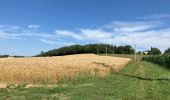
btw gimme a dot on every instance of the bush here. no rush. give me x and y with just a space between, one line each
163 60
154 51
167 51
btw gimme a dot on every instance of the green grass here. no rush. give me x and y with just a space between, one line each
132 56
137 81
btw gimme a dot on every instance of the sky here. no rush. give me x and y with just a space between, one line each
28 27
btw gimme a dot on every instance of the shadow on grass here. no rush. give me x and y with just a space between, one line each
144 78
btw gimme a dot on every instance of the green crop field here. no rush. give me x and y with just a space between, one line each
137 81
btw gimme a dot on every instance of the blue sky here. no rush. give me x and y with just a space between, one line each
30 26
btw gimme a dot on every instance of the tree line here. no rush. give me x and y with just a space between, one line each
90 48
4 56
156 51
15 56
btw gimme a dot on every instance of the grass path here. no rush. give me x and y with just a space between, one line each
122 87
147 89
129 84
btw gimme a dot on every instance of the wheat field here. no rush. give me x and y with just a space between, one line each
50 69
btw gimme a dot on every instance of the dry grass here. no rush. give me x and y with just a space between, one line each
51 69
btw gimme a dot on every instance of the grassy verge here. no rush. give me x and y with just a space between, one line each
162 60
139 57
131 83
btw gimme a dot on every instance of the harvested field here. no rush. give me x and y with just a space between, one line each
51 69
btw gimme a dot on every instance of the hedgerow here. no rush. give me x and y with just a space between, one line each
163 60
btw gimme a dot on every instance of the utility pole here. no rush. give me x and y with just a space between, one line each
135 53
112 48
97 51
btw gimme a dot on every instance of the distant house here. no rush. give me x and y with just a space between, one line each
145 52
10 56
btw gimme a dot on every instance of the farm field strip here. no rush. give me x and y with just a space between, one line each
50 69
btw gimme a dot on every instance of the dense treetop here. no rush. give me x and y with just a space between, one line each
90 48
167 51
154 51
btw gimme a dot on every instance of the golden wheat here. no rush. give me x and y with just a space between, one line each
51 69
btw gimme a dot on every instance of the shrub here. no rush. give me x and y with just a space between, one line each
163 60
167 51
154 51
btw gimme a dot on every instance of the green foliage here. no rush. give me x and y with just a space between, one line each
154 51
139 52
163 60
90 48
4 56
167 51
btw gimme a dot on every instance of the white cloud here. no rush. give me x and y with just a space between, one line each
133 26
93 34
58 43
9 28
84 34
33 26
68 33
155 16
66 43
48 41
15 32
144 34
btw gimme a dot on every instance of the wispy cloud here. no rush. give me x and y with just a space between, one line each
93 34
84 34
133 26
48 41
155 16
33 26
68 33
58 43
144 33
11 32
